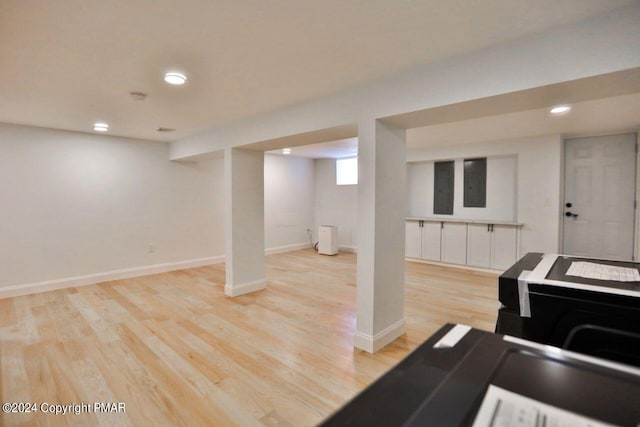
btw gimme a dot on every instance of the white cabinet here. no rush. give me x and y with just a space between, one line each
431 240
491 246
504 246
454 243
422 240
477 244
413 239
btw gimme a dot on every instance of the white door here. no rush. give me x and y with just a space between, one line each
599 196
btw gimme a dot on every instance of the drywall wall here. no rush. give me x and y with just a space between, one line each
82 208
501 190
289 197
76 204
335 204
539 173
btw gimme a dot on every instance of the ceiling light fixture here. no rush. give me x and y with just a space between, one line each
100 127
286 151
560 109
175 78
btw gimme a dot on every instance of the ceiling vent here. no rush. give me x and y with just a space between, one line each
137 96
165 129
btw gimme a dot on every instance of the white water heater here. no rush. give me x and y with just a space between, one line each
328 240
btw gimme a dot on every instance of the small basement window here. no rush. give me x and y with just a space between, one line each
347 171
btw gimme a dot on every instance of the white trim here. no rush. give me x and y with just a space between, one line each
348 248
127 273
286 248
92 279
234 290
374 343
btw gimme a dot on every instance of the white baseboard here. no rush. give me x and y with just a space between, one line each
374 343
347 248
234 290
127 273
459 266
287 248
92 279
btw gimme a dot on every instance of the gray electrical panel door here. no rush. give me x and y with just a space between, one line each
443 187
475 183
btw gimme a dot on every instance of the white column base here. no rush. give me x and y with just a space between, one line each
234 290
374 343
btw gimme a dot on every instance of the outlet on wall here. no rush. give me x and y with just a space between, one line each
152 248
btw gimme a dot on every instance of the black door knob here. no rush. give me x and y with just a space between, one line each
567 214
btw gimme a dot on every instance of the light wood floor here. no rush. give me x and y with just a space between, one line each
178 352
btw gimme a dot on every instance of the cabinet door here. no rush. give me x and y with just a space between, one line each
478 245
503 247
413 239
454 243
431 241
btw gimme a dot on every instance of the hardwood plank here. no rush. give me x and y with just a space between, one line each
178 351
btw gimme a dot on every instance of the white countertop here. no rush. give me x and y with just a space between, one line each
465 221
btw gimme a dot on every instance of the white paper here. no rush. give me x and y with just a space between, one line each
591 270
502 408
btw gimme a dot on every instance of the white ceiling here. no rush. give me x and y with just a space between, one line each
347 147
601 116
67 64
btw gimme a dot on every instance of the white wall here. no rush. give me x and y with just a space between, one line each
501 190
73 205
76 204
335 204
538 182
289 198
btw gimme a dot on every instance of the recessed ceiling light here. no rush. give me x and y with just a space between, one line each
560 109
175 78
100 127
286 151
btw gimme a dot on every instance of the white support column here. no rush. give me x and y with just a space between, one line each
382 174
244 221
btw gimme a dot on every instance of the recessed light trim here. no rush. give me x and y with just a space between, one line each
100 127
286 151
175 78
560 109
